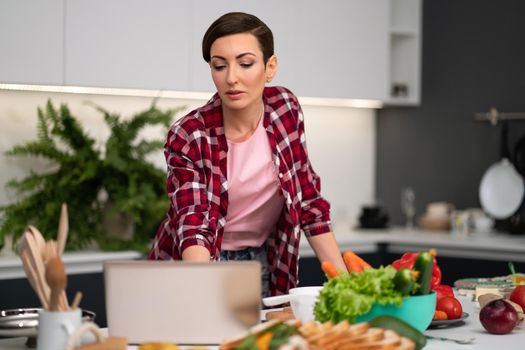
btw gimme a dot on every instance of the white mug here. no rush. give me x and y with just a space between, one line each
55 327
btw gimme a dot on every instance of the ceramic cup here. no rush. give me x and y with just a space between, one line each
55 327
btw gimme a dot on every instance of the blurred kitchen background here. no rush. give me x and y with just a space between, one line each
431 65
472 56
451 58
389 89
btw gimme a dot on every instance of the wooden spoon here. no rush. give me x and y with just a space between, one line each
56 278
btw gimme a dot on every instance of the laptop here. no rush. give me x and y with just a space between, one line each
181 302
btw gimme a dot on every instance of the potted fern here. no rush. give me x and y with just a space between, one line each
98 186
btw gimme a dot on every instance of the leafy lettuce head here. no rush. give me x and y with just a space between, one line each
350 295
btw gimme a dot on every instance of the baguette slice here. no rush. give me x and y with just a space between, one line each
372 334
358 329
390 342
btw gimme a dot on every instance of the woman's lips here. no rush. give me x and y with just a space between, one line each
234 94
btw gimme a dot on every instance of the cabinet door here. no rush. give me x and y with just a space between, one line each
340 48
31 34
334 49
127 43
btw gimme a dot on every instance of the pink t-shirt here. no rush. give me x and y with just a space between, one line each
254 195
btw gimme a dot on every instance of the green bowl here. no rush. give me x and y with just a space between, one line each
416 310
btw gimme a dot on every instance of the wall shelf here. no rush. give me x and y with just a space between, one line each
405 53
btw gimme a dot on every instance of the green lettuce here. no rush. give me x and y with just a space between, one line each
350 295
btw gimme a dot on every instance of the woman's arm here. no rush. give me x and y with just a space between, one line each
196 253
189 223
326 248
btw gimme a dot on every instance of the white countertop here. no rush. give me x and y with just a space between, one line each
470 328
473 328
75 262
496 246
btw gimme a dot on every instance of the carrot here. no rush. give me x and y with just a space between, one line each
353 262
329 269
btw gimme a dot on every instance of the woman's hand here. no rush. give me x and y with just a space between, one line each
326 249
196 253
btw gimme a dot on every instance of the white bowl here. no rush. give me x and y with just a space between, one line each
301 299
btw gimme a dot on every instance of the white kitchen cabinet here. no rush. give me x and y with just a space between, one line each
31 41
354 49
127 43
339 50
405 52
336 49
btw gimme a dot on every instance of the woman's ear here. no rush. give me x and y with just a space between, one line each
271 68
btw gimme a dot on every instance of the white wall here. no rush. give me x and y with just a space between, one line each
341 142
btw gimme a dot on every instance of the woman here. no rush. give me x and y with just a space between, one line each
240 183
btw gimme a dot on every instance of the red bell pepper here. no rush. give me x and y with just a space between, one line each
443 290
407 260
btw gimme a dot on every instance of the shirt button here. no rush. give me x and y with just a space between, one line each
280 175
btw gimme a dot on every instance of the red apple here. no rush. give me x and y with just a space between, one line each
518 296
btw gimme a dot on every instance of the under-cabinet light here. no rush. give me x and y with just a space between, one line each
189 95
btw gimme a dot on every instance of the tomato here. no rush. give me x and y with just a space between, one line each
518 296
451 306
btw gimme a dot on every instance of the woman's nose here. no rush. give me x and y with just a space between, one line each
231 76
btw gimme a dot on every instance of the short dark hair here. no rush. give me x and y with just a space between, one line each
235 23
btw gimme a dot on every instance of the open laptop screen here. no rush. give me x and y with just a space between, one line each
181 302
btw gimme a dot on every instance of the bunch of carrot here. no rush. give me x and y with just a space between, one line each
353 263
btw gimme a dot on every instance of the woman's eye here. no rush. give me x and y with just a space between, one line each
246 65
219 67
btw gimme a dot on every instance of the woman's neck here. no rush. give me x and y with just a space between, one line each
239 125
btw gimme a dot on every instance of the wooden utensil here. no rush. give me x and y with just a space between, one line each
76 300
38 239
63 228
32 278
280 315
35 259
50 250
30 270
56 278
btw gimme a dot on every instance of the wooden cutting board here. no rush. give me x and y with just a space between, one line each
283 315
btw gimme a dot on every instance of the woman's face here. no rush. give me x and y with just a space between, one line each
238 70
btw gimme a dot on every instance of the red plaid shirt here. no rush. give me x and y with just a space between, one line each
197 186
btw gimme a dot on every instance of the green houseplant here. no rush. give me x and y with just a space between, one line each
118 181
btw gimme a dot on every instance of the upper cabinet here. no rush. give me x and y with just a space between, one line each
357 49
31 41
337 49
405 53
127 43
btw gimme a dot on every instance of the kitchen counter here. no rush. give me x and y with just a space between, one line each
399 240
396 240
470 328
75 262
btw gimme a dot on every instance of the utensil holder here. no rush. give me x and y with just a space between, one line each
55 328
